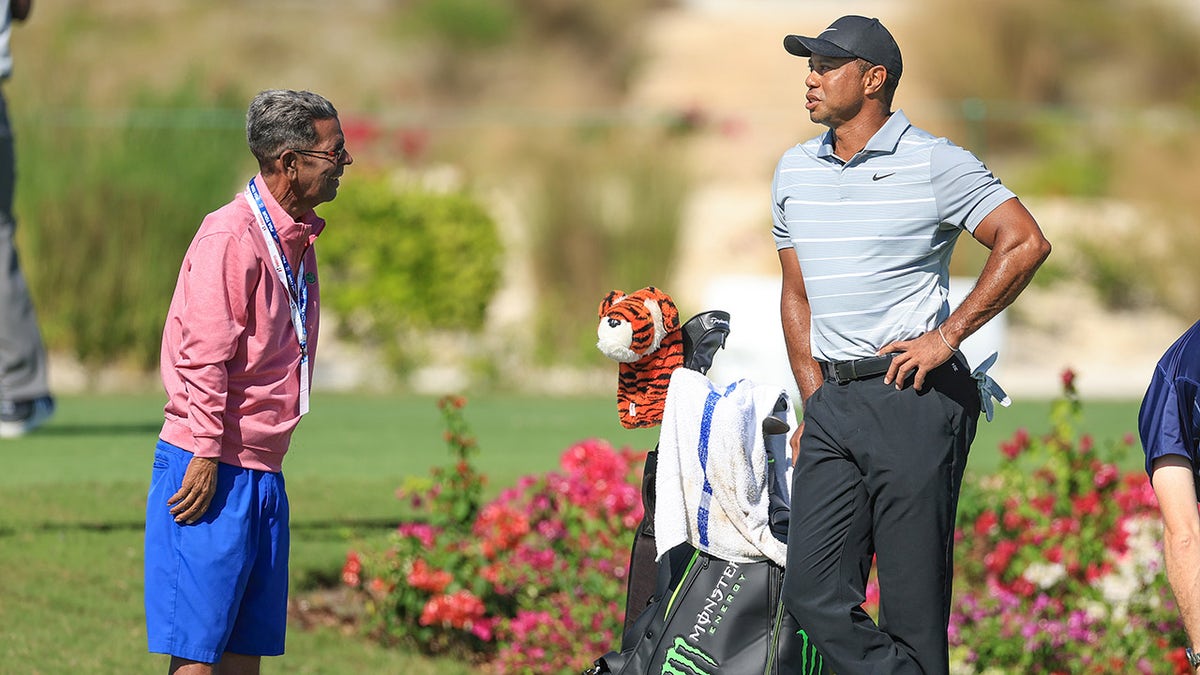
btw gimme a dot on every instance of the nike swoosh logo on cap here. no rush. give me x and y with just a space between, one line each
827 30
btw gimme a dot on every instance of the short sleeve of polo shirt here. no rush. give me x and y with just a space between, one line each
779 230
1167 418
966 191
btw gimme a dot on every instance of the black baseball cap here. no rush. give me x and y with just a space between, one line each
848 37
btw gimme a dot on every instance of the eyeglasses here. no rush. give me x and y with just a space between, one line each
335 156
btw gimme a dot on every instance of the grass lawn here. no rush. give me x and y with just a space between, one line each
72 500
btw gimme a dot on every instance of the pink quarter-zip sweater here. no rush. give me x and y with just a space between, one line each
230 357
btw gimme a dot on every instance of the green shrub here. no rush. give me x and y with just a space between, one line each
1031 97
468 24
106 206
530 582
1059 561
398 259
1058 55
606 214
1117 273
1068 167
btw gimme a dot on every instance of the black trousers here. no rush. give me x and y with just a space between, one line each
878 475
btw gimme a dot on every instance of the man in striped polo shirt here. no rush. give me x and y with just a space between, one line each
865 218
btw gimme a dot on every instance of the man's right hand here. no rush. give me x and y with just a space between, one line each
196 493
795 442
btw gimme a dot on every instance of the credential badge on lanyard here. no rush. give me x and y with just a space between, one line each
297 292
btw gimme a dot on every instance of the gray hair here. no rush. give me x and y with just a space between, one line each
279 119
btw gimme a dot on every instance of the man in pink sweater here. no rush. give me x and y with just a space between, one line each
237 356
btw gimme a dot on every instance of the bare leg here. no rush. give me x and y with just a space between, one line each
188 667
230 664
238 664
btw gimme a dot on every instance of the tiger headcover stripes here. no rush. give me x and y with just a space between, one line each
641 331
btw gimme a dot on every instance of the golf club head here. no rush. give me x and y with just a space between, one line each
703 335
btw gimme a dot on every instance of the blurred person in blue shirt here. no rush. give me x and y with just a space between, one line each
1169 425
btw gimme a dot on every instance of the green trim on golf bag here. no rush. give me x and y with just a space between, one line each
721 618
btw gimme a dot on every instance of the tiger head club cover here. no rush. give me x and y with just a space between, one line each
641 331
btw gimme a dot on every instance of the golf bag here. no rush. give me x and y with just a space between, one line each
703 335
698 614
720 617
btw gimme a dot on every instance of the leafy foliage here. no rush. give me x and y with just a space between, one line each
1059 561
530 582
1039 60
468 24
106 212
399 259
606 214
1037 96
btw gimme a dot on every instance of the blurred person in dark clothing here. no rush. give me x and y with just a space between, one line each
1169 425
25 401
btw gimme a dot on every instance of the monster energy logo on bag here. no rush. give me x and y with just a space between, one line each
718 602
685 659
811 662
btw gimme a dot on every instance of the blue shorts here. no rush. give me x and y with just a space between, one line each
220 584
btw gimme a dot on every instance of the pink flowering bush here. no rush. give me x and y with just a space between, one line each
531 582
1059 561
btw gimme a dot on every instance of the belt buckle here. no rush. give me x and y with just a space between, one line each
839 376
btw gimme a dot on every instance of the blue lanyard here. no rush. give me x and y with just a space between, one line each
297 291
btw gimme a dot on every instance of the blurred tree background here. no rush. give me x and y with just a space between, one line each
503 169
1096 101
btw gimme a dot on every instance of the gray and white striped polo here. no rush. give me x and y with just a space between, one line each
874 235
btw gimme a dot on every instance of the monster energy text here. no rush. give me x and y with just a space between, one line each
718 602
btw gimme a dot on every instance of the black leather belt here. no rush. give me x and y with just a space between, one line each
858 369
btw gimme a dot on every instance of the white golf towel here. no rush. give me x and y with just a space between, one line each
711 486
